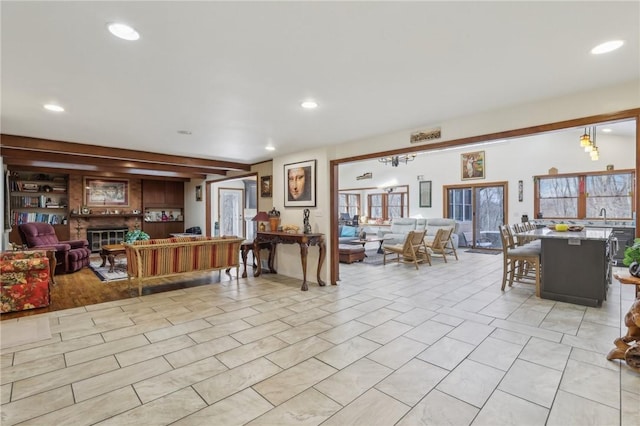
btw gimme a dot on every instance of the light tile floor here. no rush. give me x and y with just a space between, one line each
389 345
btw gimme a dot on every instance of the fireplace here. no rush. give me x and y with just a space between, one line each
99 237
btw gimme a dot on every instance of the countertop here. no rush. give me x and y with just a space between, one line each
588 223
587 233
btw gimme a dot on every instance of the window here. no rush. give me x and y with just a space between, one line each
460 204
612 192
583 196
559 196
388 206
349 203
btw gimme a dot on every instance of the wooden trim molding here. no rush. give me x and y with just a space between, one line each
69 156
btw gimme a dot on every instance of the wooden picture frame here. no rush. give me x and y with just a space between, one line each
99 192
425 193
265 186
472 165
300 184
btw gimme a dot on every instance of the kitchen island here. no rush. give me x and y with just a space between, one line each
576 266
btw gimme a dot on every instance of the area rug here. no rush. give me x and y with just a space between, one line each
483 251
373 258
102 272
24 331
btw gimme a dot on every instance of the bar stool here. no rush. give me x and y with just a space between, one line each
520 263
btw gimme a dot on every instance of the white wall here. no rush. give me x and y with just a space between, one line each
600 101
518 159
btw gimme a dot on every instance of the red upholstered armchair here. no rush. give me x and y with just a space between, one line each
24 279
71 255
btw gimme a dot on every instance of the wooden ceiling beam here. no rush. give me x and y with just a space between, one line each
78 162
96 151
42 168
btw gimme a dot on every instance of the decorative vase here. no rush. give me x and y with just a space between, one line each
274 222
634 269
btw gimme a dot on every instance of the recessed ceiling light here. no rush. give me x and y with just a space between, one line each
606 130
270 148
123 31
53 107
607 47
309 104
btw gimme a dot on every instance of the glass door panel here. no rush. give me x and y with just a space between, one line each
231 211
488 216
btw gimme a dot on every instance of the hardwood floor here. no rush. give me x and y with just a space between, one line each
83 288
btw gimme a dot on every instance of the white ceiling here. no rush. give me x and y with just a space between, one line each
234 73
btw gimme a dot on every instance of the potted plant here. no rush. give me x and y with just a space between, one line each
632 258
135 235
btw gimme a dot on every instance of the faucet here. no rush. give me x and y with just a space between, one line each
603 212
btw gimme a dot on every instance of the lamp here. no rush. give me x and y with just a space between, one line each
594 150
261 217
585 139
397 159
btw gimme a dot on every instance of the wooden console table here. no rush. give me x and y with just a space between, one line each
303 240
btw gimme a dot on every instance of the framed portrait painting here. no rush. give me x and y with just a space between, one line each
265 186
99 192
425 193
472 165
300 184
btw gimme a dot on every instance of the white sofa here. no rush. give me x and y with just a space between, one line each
401 227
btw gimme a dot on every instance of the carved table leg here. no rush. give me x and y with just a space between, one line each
53 262
272 257
323 253
112 262
256 255
244 253
304 250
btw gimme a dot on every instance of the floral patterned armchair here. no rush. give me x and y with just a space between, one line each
24 279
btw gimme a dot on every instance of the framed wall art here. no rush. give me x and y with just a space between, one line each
425 193
472 165
300 184
265 186
99 192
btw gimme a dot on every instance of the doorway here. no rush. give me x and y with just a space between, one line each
480 209
231 211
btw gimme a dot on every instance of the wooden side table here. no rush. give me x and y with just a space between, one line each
303 240
110 251
245 248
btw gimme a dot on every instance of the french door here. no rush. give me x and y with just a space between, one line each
480 209
231 211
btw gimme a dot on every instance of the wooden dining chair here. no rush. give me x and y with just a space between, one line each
413 250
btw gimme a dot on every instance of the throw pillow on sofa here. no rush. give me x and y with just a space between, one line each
349 231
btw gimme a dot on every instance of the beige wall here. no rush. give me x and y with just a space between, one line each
600 101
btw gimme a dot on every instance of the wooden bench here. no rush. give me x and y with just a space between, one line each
176 256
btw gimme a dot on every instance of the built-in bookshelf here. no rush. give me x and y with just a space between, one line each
38 197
